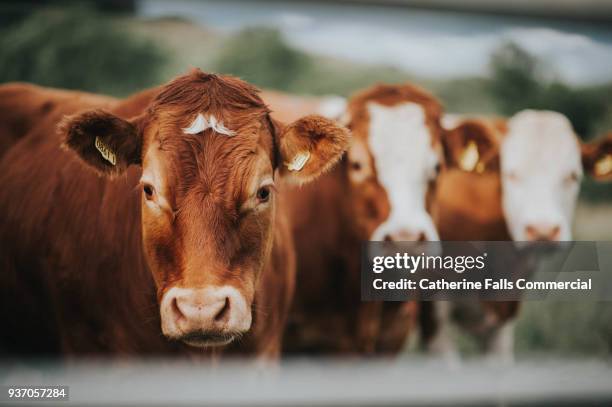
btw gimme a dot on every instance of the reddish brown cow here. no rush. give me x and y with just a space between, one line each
363 199
178 226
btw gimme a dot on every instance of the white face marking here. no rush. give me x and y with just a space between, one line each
541 169
201 123
405 160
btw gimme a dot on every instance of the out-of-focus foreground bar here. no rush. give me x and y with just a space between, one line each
407 381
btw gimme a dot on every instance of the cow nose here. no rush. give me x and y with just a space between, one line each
204 316
405 235
216 310
542 232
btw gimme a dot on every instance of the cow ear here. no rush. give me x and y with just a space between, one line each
309 146
471 146
102 140
597 158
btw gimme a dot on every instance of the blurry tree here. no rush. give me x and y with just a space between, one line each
78 48
261 56
517 83
585 107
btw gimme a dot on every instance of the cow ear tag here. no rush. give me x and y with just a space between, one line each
105 151
299 161
469 158
603 166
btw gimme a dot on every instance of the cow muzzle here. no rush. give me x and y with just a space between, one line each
202 317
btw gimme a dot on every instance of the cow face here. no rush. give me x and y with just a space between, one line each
394 157
541 172
209 153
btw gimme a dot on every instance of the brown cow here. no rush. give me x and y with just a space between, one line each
178 226
378 191
477 200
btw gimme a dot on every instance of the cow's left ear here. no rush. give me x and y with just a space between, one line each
597 158
107 143
309 146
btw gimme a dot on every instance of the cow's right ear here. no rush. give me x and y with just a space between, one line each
597 158
104 141
471 146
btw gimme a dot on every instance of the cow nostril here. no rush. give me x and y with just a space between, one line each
421 237
555 232
176 309
542 233
388 238
224 310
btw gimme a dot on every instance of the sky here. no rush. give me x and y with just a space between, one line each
432 44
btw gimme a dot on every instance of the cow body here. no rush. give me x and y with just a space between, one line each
78 275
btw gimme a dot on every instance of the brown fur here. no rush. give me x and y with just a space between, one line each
467 205
75 278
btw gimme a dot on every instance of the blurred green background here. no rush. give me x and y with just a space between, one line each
107 48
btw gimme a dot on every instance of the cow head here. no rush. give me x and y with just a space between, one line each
209 153
394 157
541 172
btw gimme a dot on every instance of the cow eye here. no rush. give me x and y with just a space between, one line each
149 191
263 194
355 165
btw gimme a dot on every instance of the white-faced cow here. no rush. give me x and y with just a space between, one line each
514 180
379 191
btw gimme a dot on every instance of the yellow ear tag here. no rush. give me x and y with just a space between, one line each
106 152
299 161
469 157
603 166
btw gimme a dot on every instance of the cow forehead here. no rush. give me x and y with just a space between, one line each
209 162
540 142
399 139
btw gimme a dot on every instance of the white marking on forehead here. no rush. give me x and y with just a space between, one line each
538 154
404 157
540 141
201 123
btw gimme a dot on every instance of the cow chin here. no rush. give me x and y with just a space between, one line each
203 339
